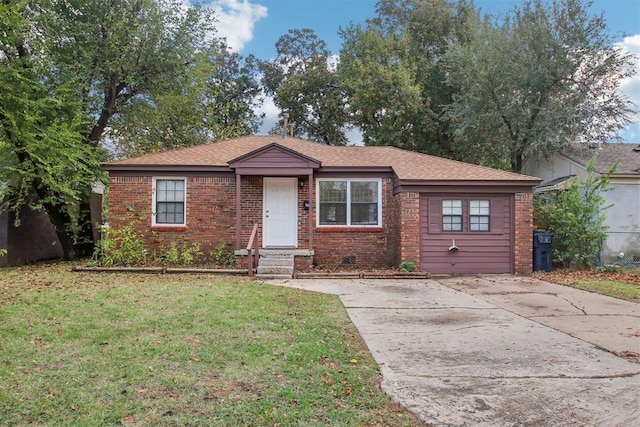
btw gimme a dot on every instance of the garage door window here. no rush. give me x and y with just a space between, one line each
479 215
452 215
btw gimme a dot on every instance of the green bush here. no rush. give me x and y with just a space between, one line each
120 247
223 257
178 253
407 267
575 216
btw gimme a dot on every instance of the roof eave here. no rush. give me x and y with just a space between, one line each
472 182
461 186
110 167
356 169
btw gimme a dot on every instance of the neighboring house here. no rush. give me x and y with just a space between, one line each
372 207
33 240
623 217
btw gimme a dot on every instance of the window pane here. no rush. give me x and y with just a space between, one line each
170 197
364 192
333 213
452 215
364 214
452 207
364 203
333 203
479 215
333 191
451 223
170 213
478 207
479 223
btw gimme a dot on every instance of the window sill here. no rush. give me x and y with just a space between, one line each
344 229
169 228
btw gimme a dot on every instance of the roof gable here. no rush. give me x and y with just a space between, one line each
273 156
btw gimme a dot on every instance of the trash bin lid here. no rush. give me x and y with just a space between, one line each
544 238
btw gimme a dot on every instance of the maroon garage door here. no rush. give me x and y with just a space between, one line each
466 233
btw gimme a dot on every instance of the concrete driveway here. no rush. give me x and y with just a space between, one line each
497 350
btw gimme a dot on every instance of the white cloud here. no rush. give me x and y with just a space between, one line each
236 20
630 87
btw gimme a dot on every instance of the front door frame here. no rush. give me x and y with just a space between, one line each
270 240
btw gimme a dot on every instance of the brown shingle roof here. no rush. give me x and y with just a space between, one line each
407 165
607 156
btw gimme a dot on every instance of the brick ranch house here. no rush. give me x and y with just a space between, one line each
372 207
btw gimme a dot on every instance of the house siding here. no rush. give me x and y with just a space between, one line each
479 252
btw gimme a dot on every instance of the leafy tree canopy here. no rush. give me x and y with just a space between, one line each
393 72
545 76
70 68
303 83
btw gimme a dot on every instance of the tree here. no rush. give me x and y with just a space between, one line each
214 99
546 76
303 84
575 216
393 72
72 66
46 163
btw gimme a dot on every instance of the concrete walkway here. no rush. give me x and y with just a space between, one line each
497 350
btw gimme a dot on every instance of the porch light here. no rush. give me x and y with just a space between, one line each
301 182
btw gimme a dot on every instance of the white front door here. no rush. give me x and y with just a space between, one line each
280 222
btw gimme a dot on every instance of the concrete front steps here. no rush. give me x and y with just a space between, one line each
275 264
279 263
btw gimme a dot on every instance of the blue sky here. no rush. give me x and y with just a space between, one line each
254 26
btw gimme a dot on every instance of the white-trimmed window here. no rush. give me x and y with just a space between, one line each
479 214
349 202
452 215
169 201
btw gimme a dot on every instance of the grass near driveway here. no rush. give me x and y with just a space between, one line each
623 284
148 350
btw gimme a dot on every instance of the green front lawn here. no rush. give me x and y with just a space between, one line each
148 350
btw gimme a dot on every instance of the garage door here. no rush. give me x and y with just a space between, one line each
466 234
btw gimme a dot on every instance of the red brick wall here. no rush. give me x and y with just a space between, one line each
251 207
408 231
210 212
523 246
304 216
373 248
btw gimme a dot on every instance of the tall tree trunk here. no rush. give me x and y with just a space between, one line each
61 222
85 243
73 245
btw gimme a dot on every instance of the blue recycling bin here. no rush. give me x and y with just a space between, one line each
542 242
